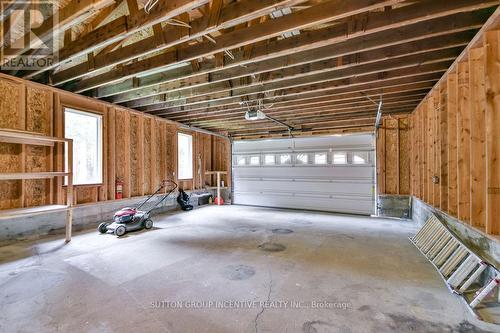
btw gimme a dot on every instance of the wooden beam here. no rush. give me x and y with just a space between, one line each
298 120
133 7
443 153
306 107
322 13
171 36
371 90
451 87
477 105
313 16
426 50
492 80
120 28
373 86
328 109
463 146
311 40
103 15
318 82
340 99
74 12
381 158
416 38
431 145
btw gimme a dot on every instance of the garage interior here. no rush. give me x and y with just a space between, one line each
340 159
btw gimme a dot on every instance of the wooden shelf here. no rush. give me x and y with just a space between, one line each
215 172
31 175
29 138
10 213
21 137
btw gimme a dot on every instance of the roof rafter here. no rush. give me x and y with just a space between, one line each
120 28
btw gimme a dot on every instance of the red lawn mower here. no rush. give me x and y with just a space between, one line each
131 219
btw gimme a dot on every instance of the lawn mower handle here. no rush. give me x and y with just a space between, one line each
163 184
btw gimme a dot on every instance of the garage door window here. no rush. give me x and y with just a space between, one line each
339 158
254 160
320 158
269 159
360 157
301 159
241 160
285 159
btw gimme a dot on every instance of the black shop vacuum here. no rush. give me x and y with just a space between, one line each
183 200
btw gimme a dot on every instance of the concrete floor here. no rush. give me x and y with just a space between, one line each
264 270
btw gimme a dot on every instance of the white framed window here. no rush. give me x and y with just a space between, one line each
320 158
339 158
269 159
241 160
285 159
360 157
185 156
254 160
85 128
301 159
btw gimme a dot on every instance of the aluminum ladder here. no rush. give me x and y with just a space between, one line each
458 266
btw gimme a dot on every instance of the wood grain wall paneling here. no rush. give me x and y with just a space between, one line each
478 138
463 146
492 115
139 148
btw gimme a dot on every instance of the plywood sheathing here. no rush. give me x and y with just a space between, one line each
139 148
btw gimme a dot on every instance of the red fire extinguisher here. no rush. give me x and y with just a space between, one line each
119 188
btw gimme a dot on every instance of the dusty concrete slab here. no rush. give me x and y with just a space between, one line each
216 269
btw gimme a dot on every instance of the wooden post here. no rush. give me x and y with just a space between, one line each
463 147
111 144
492 54
69 193
451 87
443 117
436 201
478 138
218 188
430 149
381 158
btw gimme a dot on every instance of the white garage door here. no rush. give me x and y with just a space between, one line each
329 173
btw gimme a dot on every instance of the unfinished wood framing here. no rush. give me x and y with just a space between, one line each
393 155
455 136
198 66
132 144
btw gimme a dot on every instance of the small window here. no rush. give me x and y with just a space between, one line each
285 159
301 158
254 160
360 157
320 158
241 160
269 159
185 156
339 158
85 129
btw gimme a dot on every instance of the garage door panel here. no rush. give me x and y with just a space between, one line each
354 172
327 187
347 187
342 204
